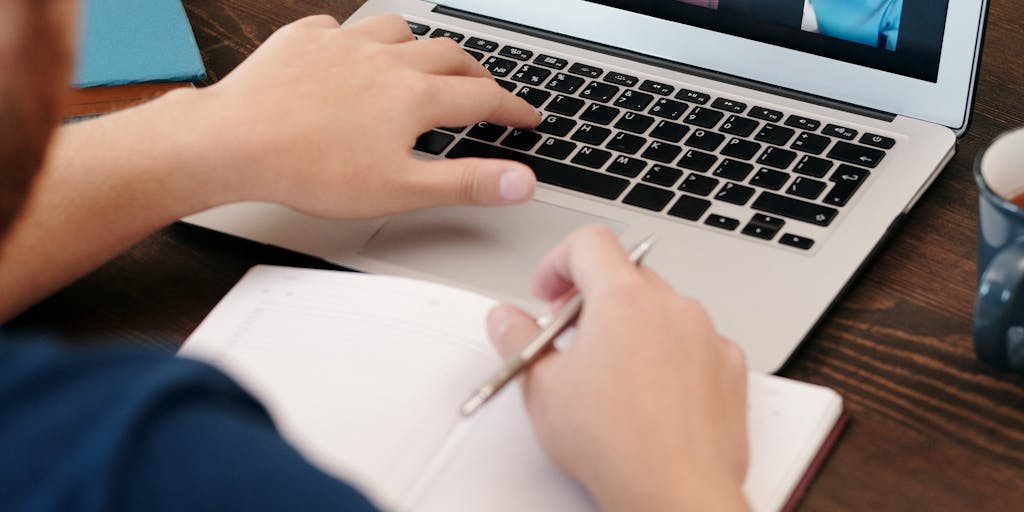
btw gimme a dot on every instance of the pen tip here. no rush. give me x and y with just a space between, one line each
473 404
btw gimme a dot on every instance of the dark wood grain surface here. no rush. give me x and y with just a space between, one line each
932 428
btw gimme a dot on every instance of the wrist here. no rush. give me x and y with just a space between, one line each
695 488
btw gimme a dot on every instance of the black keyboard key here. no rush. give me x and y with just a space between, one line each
803 123
455 36
699 184
811 143
592 157
848 180
523 140
651 198
697 160
565 105
775 135
634 100
704 117
505 84
766 114
499 67
551 62
586 70
741 148
591 134
418 28
857 155
454 129
689 207
433 142
633 122
487 131
564 83
733 170
796 241
626 143
614 77
840 131
739 126
548 171
534 96
703 139
877 141
599 92
795 209
667 130
770 179
807 188
777 157
722 222
730 105
475 54
664 176
531 75
600 114
657 87
669 109
812 166
662 152
483 45
763 226
556 148
556 125
693 96
627 166
516 53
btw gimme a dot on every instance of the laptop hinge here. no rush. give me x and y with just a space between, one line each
668 65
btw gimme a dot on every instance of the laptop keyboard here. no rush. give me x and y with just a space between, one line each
666 149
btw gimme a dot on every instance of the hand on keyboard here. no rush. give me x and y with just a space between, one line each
324 119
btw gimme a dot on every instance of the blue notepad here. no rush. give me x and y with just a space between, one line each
136 41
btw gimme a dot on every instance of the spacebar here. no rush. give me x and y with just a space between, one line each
548 171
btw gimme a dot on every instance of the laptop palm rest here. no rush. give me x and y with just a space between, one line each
490 248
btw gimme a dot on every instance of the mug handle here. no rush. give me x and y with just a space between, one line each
998 341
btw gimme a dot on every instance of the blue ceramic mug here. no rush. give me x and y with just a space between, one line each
999 308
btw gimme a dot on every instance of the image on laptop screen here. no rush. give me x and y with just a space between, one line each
898 36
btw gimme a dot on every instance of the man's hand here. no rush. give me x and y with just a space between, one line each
647 406
323 119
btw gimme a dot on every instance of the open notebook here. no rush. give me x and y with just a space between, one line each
365 374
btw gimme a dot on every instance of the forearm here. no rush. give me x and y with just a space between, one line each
106 184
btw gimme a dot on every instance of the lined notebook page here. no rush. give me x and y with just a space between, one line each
365 374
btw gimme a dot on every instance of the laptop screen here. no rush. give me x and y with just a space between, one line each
898 36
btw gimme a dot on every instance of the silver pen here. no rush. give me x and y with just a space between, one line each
540 343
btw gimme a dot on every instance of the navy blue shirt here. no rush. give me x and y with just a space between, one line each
109 430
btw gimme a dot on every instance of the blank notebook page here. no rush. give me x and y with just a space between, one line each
365 375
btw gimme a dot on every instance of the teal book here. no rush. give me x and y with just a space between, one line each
136 41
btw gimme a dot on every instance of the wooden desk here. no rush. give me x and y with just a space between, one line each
932 428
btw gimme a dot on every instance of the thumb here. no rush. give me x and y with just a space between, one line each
510 329
474 181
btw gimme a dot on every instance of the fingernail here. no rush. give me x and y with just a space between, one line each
516 184
498 321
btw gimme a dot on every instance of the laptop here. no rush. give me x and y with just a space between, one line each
769 146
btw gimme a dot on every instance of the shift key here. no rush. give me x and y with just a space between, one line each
548 171
795 209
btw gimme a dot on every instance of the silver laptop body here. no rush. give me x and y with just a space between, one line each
762 285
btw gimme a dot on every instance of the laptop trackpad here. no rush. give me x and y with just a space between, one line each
491 248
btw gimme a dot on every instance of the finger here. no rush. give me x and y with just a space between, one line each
585 260
462 101
385 28
321 21
509 329
469 181
441 56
